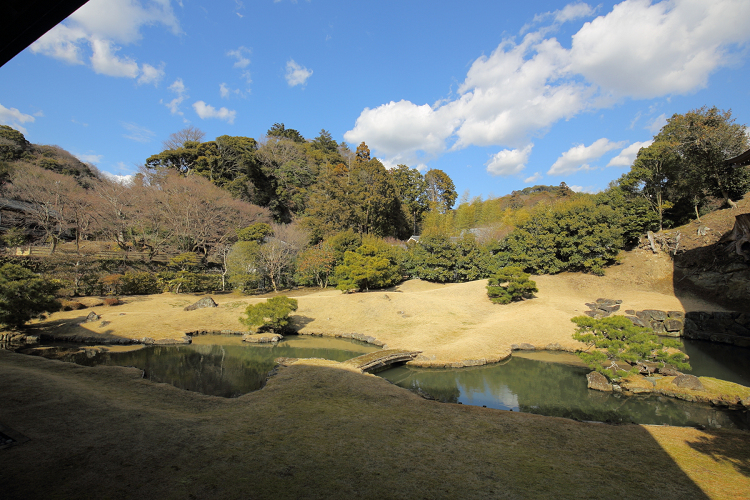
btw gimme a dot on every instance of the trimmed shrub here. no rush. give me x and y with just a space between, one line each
112 301
510 284
616 338
273 314
24 295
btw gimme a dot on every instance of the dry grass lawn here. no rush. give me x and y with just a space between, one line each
448 323
320 430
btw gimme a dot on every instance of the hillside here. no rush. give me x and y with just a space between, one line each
706 264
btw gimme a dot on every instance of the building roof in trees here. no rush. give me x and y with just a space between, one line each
740 160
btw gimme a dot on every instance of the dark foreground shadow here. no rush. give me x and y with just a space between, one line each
312 432
725 447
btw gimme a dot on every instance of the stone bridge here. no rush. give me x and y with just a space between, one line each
378 360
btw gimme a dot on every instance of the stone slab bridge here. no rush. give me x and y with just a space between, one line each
375 361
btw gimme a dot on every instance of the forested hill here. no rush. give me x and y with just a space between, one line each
333 213
16 152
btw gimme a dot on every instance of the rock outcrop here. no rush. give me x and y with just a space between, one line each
598 382
201 304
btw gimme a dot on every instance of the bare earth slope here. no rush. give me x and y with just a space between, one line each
448 323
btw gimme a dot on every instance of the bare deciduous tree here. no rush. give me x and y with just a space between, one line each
177 139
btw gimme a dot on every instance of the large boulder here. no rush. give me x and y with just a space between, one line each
204 302
673 325
598 382
656 314
691 382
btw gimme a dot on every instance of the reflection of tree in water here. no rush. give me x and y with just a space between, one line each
219 370
556 389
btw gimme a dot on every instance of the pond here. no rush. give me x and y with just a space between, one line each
546 383
554 384
219 365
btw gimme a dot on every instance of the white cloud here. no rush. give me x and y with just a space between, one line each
105 62
587 189
226 92
207 111
627 155
646 50
570 12
151 74
509 161
178 87
121 179
637 50
577 157
61 42
296 74
89 158
121 20
657 123
14 118
102 24
137 133
242 55
533 178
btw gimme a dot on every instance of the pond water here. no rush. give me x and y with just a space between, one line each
546 383
219 365
554 384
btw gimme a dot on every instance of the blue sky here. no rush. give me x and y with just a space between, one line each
500 95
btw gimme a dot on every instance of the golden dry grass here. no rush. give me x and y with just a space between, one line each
448 323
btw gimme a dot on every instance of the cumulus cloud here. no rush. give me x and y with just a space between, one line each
638 50
646 50
627 155
178 87
570 12
137 133
105 62
586 189
207 111
151 74
577 157
102 24
533 178
509 161
14 118
296 74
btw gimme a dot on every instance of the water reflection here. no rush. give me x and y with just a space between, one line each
554 389
216 365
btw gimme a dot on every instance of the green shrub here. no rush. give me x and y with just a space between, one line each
375 264
616 338
273 314
24 295
510 284
139 283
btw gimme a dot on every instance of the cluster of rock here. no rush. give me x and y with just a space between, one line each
201 304
670 323
262 338
18 338
602 308
726 327
599 382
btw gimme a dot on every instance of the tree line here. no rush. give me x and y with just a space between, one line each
285 211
